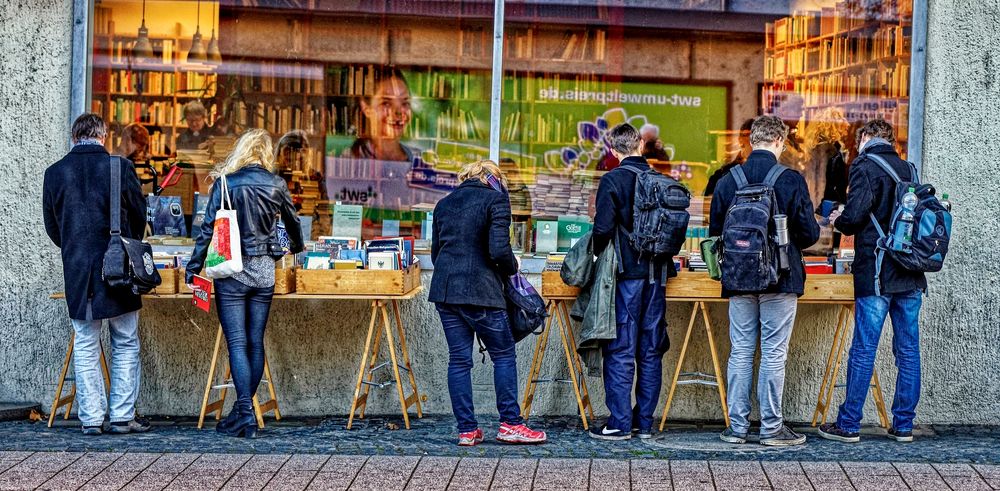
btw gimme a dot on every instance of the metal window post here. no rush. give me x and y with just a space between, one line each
918 79
79 78
497 80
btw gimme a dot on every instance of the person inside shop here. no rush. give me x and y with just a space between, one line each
471 252
652 146
222 127
641 330
387 113
879 291
76 209
197 131
288 157
791 111
243 300
765 316
743 139
135 143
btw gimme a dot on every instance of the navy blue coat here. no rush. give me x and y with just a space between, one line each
76 206
792 197
871 190
470 247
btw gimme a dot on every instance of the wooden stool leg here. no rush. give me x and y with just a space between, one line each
406 357
677 370
581 374
223 392
370 375
536 363
361 369
720 381
883 417
62 380
257 412
106 372
391 343
271 391
211 378
563 326
827 384
841 346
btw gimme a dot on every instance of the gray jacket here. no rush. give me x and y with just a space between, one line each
595 305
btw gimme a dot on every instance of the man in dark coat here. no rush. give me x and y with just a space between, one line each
76 202
879 290
765 316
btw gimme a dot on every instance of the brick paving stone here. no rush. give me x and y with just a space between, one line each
813 468
828 476
48 461
385 473
924 482
432 473
264 463
955 470
218 463
789 482
23 479
288 480
171 463
868 469
738 475
82 470
651 475
247 481
514 475
782 468
878 483
987 471
338 472
305 462
120 472
692 484
610 475
735 467
966 483
560 474
473 474
150 481
14 455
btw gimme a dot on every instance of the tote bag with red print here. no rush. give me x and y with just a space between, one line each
225 257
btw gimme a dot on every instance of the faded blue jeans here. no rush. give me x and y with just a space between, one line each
243 313
769 318
869 317
461 324
91 396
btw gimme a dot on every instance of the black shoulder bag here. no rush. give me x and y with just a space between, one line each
128 263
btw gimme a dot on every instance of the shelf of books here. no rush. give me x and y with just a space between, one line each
849 56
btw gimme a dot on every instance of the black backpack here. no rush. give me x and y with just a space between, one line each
931 227
749 260
660 213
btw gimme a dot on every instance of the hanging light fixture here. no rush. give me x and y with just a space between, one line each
197 53
142 50
214 53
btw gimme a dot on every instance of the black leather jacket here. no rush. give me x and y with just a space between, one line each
258 197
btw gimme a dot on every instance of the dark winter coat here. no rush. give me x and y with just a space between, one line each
76 194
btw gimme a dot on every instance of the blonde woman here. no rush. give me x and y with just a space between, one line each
244 299
470 248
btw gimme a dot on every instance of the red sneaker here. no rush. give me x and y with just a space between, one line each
519 434
470 438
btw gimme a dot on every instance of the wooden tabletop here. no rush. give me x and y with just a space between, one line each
288 296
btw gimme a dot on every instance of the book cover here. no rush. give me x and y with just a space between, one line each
200 205
347 220
571 229
168 216
383 260
202 298
546 236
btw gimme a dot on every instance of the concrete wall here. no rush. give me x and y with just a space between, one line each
314 345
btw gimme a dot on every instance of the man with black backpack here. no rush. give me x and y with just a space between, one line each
763 214
889 265
643 214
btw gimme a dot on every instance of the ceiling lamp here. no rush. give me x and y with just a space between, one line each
142 50
214 54
197 53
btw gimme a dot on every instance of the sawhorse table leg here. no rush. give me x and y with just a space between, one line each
559 315
832 371
703 379
59 401
217 405
369 357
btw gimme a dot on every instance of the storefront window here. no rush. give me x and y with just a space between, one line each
378 104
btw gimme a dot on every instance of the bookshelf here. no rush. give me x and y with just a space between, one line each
848 56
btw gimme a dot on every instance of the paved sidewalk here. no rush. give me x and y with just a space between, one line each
188 471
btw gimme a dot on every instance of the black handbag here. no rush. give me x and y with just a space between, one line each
128 263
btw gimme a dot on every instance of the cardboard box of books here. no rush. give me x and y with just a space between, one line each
348 266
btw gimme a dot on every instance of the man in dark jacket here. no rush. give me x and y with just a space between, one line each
641 338
767 316
879 290
76 202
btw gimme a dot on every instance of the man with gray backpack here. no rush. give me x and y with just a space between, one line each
763 214
901 231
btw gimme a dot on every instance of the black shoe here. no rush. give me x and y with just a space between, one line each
784 437
730 436
642 434
136 425
93 430
904 436
226 423
605 433
244 427
831 431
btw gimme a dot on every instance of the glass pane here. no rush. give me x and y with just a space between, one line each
691 75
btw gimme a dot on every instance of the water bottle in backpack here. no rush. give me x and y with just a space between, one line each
903 233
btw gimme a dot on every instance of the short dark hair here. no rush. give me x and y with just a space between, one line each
877 128
89 126
767 129
624 139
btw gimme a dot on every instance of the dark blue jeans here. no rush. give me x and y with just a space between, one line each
243 313
869 316
461 324
637 352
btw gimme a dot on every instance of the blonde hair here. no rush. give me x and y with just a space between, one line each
826 127
253 148
480 170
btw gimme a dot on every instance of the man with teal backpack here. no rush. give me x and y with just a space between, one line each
902 231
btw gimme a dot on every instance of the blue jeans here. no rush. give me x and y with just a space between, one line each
869 316
91 398
243 313
636 352
768 318
461 323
